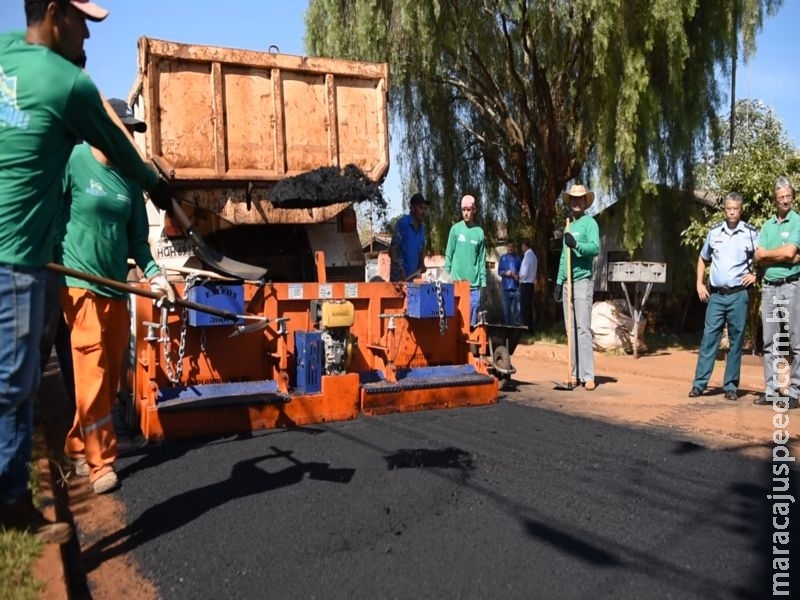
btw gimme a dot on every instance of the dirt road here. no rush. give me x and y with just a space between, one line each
651 391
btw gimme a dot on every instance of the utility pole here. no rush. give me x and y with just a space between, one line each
734 60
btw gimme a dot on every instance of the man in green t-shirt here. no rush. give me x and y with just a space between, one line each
583 241
107 224
46 103
780 299
465 256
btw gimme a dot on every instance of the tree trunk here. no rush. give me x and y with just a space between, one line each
545 310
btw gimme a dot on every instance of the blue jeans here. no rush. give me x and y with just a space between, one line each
474 305
511 307
21 319
581 324
780 320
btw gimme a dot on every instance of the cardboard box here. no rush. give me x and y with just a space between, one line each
422 303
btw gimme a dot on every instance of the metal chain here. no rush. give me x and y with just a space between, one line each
165 343
176 374
440 301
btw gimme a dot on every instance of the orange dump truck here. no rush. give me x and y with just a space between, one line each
309 341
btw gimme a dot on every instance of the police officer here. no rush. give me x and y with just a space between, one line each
729 247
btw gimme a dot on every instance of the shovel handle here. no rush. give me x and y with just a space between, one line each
132 289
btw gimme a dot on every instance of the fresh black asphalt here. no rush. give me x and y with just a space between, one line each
505 501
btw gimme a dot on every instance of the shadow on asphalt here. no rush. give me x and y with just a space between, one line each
246 479
569 544
153 455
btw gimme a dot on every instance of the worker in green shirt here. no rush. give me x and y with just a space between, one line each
780 299
465 256
107 224
583 241
47 102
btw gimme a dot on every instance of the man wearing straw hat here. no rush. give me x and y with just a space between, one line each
582 243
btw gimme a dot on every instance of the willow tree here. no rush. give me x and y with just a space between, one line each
513 99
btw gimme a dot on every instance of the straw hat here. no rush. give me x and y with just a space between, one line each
578 191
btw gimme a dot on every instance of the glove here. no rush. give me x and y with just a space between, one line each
161 195
569 240
160 285
558 292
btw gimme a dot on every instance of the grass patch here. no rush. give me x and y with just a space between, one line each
18 552
656 340
553 333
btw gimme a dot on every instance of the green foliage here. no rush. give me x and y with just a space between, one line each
511 99
761 153
18 551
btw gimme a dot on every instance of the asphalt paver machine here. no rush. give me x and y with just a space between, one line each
310 341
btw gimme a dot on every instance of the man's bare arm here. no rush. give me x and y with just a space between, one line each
783 254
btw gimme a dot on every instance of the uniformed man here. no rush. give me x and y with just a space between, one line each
729 247
780 300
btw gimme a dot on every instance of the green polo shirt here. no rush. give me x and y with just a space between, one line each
587 236
774 235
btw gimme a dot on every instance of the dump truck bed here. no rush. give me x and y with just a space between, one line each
227 124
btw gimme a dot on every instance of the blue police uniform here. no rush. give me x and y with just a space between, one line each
730 252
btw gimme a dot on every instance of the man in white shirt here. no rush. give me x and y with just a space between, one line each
527 281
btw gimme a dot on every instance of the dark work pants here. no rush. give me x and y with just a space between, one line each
526 304
722 309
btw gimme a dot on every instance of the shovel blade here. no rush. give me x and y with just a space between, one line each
216 260
560 385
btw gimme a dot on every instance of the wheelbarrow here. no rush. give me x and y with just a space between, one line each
503 340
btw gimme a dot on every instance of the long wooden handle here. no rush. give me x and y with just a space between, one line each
132 289
570 310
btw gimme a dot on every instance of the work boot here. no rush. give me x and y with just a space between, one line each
731 395
695 392
106 482
22 515
764 400
80 467
786 403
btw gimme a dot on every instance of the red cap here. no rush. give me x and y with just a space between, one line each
92 11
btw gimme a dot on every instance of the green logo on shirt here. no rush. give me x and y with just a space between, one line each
95 188
10 114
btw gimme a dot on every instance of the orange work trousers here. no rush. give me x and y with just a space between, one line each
99 328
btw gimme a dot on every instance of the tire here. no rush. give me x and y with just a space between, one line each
501 359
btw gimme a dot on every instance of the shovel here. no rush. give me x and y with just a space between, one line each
571 316
261 322
204 252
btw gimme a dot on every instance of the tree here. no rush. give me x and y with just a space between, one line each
512 99
761 153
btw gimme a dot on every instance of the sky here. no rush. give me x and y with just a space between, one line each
772 75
